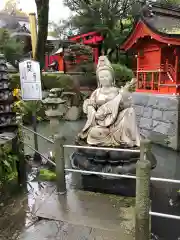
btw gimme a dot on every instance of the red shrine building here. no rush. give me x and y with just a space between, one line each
155 42
93 39
155 39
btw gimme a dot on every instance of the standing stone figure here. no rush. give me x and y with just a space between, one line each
111 119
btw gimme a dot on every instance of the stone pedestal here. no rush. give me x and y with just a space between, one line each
54 125
158 118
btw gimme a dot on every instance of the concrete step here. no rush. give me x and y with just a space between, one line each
111 214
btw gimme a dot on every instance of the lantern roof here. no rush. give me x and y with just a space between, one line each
159 22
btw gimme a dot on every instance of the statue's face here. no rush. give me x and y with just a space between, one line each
105 78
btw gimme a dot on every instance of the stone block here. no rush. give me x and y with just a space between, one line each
159 138
168 103
157 117
163 102
173 142
147 112
172 130
152 102
170 116
145 123
160 127
140 99
157 114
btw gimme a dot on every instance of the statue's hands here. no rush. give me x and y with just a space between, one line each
100 115
88 103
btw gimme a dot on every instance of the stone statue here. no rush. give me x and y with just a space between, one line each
111 119
111 122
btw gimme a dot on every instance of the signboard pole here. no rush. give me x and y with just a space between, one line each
33 29
31 90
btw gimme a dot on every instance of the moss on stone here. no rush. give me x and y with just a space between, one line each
46 175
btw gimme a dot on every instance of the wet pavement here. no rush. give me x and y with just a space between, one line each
114 214
56 230
16 214
80 215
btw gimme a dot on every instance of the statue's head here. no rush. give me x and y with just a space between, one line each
105 73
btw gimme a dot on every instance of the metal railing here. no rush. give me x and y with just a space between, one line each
59 147
38 134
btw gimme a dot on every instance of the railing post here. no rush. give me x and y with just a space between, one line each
142 217
37 156
60 163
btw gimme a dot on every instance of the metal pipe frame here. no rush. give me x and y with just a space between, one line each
121 175
164 215
105 174
39 153
103 148
45 138
115 175
100 173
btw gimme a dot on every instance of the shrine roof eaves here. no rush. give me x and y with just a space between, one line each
164 26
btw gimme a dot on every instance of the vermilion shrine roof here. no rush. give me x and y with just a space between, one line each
160 23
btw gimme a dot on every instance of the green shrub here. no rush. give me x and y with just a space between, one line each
7 163
11 49
122 74
59 80
68 82
86 80
49 81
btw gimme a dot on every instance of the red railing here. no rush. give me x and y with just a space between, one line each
172 72
161 79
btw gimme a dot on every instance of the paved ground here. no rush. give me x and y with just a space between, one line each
58 230
87 215
89 209
79 216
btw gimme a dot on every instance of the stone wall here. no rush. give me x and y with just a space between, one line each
157 117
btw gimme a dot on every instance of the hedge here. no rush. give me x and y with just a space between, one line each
49 81
70 82
122 74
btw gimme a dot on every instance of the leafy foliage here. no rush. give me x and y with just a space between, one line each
113 18
79 58
122 74
62 29
169 3
27 108
11 7
12 49
7 162
49 81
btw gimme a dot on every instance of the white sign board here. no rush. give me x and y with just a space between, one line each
30 78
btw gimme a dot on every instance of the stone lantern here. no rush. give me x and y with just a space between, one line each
56 109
